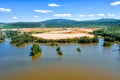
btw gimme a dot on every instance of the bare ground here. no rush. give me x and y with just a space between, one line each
60 33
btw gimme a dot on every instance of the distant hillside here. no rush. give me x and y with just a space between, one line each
2 23
63 23
58 21
99 23
22 25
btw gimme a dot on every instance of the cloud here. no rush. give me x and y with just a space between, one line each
81 15
100 14
36 17
115 3
90 15
53 5
5 10
62 15
14 17
111 15
43 11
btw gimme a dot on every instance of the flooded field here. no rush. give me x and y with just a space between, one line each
94 62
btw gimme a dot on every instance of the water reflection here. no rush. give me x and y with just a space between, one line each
18 46
79 53
60 57
21 46
116 47
36 56
107 47
88 44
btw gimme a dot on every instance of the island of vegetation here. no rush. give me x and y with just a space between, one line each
78 49
59 51
106 43
36 50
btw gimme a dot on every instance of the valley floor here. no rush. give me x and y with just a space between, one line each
57 33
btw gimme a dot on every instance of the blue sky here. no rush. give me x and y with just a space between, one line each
40 10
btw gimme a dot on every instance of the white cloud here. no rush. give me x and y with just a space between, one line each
62 15
5 10
14 17
43 11
100 14
53 5
36 17
111 15
81 15
115 3
91 15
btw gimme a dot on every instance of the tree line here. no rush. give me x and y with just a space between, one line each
110 34
27 38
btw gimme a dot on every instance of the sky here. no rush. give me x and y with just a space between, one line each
40 10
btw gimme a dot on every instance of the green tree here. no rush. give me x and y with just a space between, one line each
36 49
78 49
95 39
106 43
59 51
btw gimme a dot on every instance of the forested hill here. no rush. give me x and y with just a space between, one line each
64 23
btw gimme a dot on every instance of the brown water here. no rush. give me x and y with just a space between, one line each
95 62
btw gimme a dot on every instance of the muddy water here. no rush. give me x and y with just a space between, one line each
95 62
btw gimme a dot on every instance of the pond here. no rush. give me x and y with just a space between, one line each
94 62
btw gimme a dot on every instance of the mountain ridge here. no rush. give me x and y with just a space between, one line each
62 23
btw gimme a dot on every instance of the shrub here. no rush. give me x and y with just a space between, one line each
36 49
59 51
95 39
78 49
106 44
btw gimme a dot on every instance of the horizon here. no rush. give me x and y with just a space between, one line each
22 11
59 19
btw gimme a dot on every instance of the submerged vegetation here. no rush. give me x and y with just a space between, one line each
110 34
53 44
22 39
87 39
107 43
36 50
2 36
78 49
27 38
59 51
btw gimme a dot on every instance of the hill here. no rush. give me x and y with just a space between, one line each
64 23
